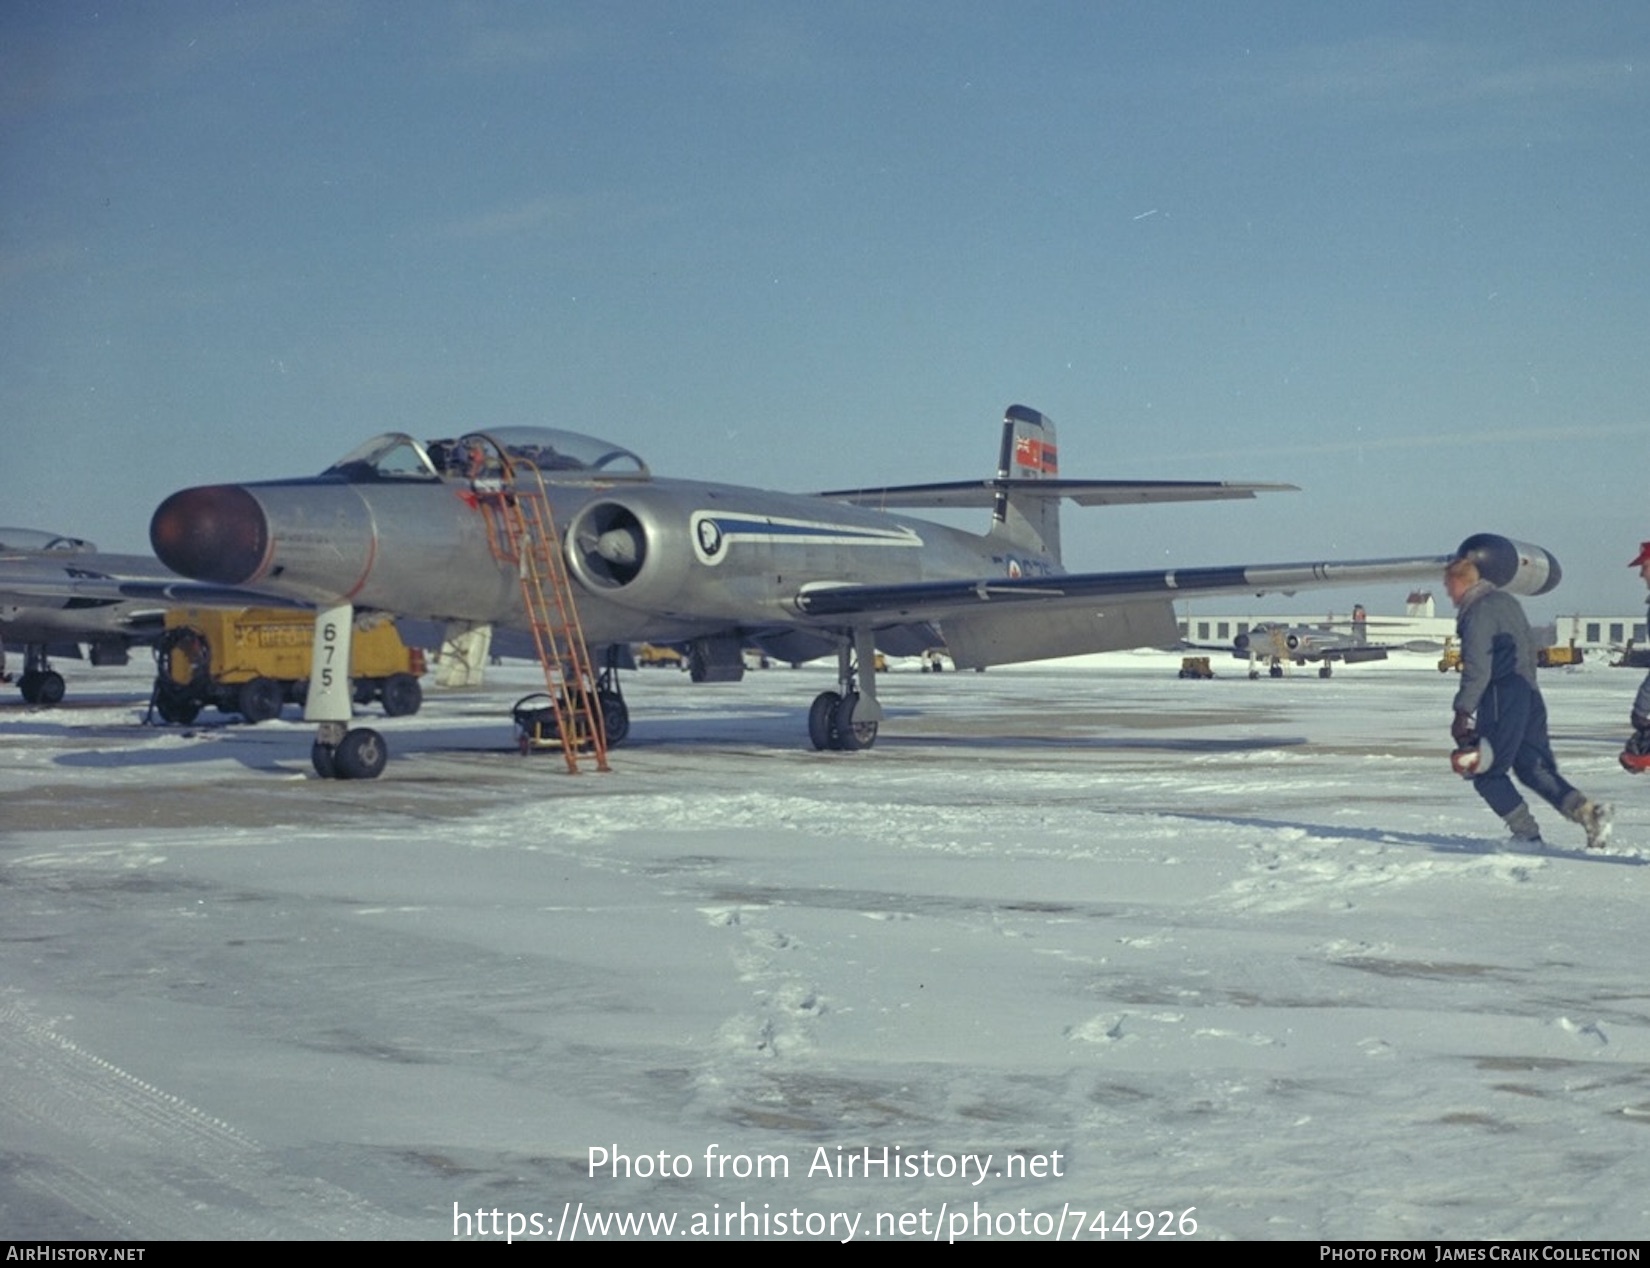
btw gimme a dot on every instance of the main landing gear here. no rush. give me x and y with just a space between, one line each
846 719
39 683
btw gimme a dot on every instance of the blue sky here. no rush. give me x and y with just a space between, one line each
1396 254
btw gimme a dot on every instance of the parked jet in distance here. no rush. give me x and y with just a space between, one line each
37 614
1276 644
402 526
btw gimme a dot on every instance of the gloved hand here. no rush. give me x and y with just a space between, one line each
1461 729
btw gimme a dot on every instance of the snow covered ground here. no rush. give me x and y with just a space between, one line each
1243 956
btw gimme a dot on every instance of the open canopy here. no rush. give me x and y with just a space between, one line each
397 456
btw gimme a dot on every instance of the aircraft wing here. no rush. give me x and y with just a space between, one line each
1004 620
58 587
932 600
977 493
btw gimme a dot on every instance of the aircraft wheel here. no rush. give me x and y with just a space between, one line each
361 754
822 720
1323 671
44 687
402 696
1276 671
261 699
615 718
1254 674
853 736
324 758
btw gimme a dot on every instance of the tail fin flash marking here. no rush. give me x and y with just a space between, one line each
1035 458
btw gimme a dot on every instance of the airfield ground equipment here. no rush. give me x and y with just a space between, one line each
660 656
1632 658
539 727
1195 667
1451 659
1556 657
253 661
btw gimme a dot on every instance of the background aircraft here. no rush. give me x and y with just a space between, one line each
1276 644
414 529
39 615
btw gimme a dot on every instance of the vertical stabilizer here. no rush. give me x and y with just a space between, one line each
1029 524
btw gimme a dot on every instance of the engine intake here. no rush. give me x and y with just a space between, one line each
634 550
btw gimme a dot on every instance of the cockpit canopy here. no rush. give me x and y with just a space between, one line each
396 456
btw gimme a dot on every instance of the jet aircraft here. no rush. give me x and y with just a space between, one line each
1301 644
37 613
402 526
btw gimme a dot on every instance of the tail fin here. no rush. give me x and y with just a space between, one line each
1027 523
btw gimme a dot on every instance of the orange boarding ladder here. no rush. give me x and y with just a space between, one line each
521 530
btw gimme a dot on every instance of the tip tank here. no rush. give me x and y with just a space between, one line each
1517 567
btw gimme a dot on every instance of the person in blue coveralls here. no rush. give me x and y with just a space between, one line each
1500 718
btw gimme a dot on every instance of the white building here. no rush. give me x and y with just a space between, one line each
1602 633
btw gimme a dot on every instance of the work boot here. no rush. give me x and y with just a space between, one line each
1521 823
1593 816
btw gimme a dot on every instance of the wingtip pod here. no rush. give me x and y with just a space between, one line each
1515 566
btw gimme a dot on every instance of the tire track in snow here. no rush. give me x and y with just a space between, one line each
138 1162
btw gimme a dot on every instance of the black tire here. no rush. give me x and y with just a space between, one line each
361 754
853 736
323 758
260 700
615 718
402 696
177 710
822 720
49 688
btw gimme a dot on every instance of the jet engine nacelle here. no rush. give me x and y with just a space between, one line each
1516 567
633 550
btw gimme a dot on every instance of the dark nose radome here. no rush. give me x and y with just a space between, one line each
216 533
